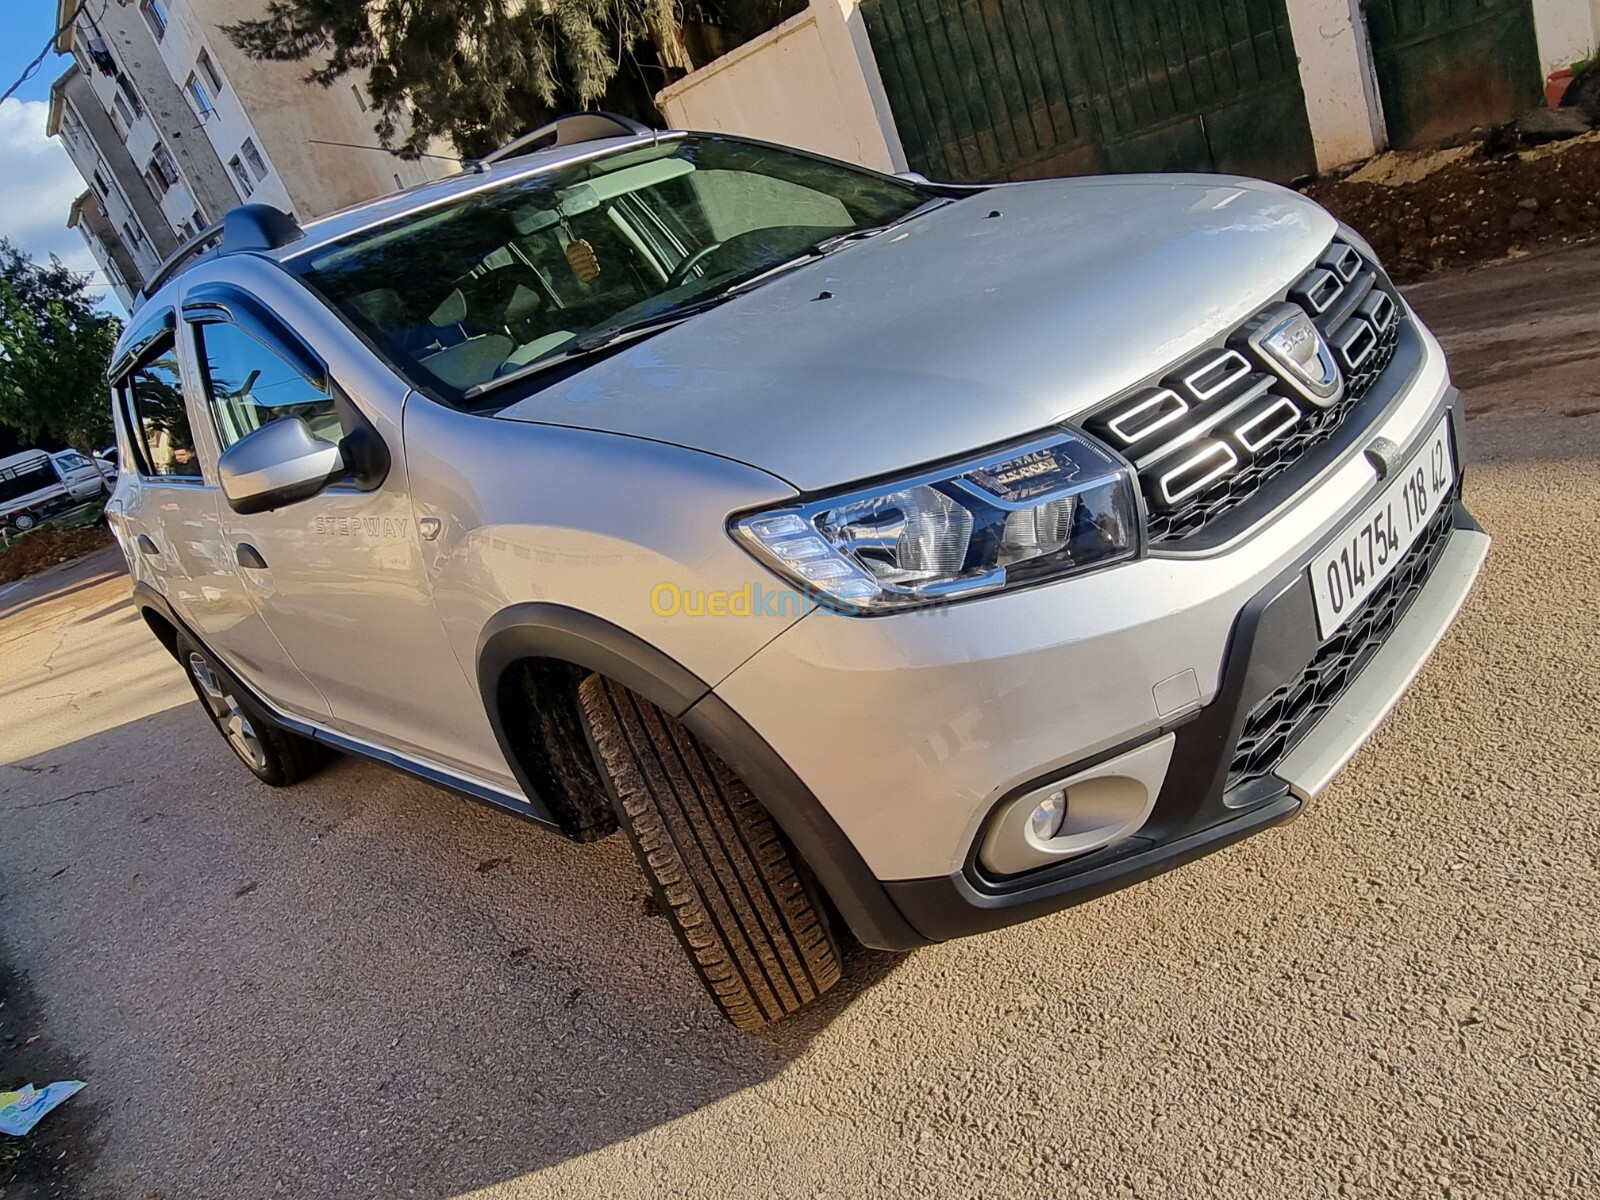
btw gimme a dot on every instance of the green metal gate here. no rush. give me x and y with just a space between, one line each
1021 89
1444 66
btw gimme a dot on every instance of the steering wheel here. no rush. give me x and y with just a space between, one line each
680 273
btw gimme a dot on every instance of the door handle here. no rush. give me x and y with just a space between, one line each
147 545
247 555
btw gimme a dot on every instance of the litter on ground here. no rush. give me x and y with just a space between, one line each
21 1110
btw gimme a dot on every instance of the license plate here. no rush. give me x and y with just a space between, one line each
1352 567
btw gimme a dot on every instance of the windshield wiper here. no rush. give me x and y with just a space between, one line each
810 254
535 367
829 244
597 340
610 335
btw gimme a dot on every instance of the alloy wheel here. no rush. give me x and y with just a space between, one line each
229 713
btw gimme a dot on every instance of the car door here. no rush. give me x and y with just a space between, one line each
338 577
166 515
79 475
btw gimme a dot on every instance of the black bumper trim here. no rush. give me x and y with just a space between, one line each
1273 639
950 906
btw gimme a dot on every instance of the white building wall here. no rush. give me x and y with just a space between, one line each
138 134
228 125
132 42
1336 72
113 198
108 266
320 141
1568 31
810 82
178 206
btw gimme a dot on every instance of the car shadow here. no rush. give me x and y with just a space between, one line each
394 990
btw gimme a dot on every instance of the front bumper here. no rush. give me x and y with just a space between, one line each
913 731
1197 812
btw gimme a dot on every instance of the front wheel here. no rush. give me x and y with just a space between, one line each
274 755
729 883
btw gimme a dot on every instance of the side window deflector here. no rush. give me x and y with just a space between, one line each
365 454
211 303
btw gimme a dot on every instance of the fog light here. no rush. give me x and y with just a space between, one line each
1047 818
1086 812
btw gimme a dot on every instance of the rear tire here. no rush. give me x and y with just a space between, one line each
734 891
274 755
23 522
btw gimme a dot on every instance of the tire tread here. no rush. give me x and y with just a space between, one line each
735 893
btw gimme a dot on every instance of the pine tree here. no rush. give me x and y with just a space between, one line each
478 72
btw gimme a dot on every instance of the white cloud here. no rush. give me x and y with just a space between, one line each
38 184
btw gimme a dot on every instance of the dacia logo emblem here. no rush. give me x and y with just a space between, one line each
1294 347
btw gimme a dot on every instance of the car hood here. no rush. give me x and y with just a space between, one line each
985 320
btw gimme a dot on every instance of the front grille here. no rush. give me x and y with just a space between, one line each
1220 425
1277 724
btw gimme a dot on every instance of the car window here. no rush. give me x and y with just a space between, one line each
463 293
249 385
158 419
72 461
25 477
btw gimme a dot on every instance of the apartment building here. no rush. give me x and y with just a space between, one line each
170 125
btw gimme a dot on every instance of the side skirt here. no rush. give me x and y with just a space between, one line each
428 772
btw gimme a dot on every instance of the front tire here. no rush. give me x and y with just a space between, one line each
729 883
274 755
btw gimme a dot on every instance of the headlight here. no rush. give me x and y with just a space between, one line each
1053 507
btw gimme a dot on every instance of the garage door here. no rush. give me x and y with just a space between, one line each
1019 89
1444 66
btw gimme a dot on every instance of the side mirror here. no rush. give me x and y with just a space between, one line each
278 464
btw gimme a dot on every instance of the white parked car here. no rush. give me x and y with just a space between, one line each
80 475
37 484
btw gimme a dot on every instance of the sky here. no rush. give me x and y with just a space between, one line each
38 182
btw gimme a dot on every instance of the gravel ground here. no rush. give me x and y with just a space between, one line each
1427 211
363 987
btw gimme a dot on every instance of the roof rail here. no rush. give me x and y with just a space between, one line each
567 130
247 227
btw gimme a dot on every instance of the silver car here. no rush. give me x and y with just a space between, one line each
880 555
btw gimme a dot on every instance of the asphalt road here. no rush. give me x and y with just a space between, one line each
363 987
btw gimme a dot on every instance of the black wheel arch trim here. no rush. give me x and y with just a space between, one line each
539 629
147 600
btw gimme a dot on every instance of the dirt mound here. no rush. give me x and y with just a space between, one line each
48 545
1441 210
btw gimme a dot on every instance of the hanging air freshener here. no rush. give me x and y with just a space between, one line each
581 258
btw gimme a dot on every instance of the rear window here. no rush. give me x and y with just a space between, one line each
459 295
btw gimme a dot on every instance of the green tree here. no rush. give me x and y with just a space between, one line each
479 72
54 350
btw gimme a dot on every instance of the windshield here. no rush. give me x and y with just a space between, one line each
470 292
